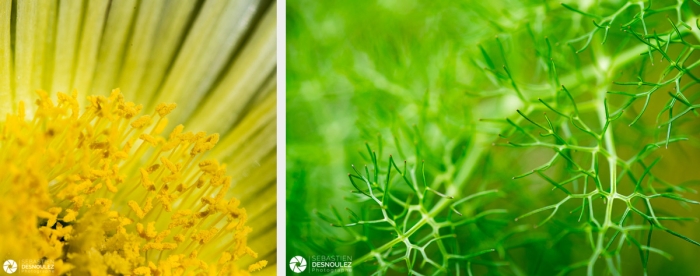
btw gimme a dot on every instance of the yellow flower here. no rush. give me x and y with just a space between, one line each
179 181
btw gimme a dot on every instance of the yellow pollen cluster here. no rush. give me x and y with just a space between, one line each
104 192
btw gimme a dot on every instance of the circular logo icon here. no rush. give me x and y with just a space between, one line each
297 264
10 266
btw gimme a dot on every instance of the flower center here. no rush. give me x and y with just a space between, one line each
103 190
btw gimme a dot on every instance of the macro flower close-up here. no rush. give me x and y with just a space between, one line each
138 137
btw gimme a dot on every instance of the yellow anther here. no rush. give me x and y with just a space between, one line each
113 214
115 94
103 205
140 228
152 245
51 215
204 214
148 138
144 270
165 199
142 122
205 144
147 183
176 132
116 262
70 215
209 166
165 109
200 182
204 236
208 201
110 187
197 137
71 102
151 230
257 266
179 238
250 252
162 235
149 205
78 201
225 257
63 232
180 188
135 207
100 173
170 145
152 168
172 167
187 137
129 110
121 155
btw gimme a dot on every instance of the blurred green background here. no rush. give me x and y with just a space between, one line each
410 76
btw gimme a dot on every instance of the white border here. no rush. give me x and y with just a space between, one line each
281 137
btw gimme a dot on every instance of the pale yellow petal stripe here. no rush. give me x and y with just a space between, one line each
174 20
89 45
114 42
242 80
42 47
26 29
205 53
68 28
141 45
5 58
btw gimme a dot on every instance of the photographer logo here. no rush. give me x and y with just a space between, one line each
297 264
9 266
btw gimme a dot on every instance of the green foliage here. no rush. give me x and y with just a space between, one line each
595 187
599 101
412 221
581 147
